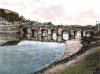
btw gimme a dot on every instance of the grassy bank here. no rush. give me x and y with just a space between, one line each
90 65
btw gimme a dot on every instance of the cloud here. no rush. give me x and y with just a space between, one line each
15 4
67 11
50 12
82 17
89 14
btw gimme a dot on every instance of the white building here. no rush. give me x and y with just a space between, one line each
3 21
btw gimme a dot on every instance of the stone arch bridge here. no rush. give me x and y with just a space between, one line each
59 30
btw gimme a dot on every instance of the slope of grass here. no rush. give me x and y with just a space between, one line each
90 65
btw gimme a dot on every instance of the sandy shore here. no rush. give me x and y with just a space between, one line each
72 46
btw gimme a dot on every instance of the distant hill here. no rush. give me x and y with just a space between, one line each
9 15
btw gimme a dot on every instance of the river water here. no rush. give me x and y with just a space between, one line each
27 55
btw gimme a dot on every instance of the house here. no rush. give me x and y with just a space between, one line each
3 21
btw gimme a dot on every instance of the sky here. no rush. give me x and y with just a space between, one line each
59 12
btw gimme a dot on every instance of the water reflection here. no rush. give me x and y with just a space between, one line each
54 36
45 33
12 37
65 35
38 37
24 54
78 35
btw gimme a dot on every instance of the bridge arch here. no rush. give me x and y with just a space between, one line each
54 32
34 32
62 32
77 34
44 32
65 34
25 30
88 33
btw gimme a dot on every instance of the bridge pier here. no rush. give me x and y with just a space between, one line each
61 34
51 33
86 33
33 32
69 34
47 32
82 34
75 34
57 33
41 33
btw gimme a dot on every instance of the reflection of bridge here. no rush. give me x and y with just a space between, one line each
15 39
59 30
41 38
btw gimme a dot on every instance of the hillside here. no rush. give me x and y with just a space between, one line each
9 15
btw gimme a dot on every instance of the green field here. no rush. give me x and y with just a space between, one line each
90 65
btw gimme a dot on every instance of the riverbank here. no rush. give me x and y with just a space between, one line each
72 47
87 63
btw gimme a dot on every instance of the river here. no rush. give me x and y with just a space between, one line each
27 55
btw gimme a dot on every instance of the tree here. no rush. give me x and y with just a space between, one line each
48 23
3 14
11 17
22 18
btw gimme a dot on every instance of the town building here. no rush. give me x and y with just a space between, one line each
3 21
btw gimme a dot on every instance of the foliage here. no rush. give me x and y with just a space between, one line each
98 34
22 18
48 23
11 17
86 40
